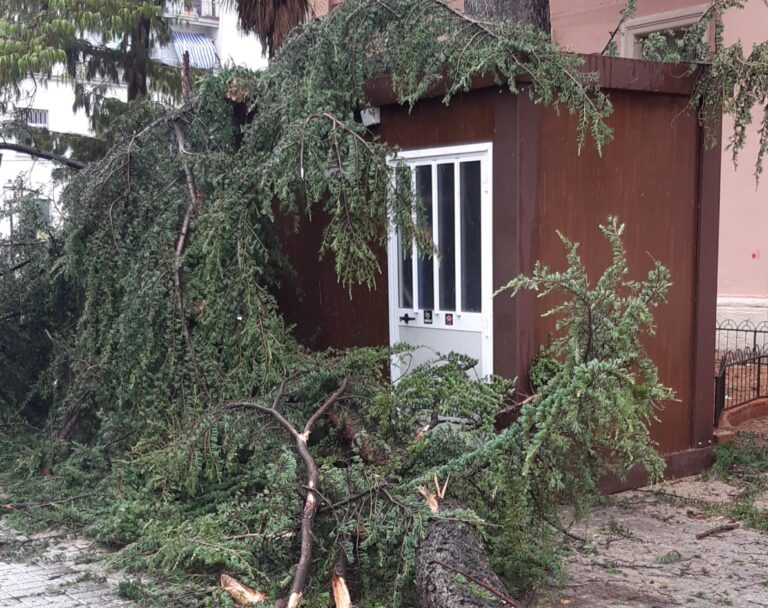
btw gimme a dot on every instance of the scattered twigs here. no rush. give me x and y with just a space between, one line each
489 588
718 530
309 512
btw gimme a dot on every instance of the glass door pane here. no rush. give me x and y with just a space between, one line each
471 259
426 264
446 239
405 262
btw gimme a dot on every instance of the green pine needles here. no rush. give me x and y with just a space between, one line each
597 388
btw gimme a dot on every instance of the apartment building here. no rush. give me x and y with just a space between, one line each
202 27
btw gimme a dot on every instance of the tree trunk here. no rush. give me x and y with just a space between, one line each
453 569
138 58
528 12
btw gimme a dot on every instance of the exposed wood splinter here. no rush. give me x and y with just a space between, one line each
243 595
341 597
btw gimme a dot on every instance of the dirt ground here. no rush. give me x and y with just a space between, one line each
643 551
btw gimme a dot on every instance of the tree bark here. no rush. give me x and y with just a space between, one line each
453 569
44 154
136 70
527 12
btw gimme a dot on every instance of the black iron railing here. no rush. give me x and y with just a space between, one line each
732 336
742 376
741 364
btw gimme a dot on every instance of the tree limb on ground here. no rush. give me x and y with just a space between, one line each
304 564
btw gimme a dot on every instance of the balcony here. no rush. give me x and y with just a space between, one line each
197 12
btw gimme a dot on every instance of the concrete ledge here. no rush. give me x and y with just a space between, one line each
731 418
739 308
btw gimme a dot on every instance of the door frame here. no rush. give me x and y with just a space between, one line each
478 151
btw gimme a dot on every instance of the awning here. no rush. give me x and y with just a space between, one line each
202 52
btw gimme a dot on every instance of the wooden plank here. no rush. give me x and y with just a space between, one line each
708 229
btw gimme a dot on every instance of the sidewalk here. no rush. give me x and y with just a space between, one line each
53 571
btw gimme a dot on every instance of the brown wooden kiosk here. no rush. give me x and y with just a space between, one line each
657 176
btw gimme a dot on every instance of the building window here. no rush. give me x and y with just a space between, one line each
196 9
659 35
34 117
205 8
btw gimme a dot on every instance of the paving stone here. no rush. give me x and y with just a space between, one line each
57 572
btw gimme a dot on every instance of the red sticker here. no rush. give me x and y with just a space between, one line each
449 319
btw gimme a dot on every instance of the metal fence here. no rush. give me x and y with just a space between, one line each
741 364
732 336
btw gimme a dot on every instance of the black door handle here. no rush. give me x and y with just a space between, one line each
406 318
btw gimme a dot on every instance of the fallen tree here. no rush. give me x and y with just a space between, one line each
452 548
205 434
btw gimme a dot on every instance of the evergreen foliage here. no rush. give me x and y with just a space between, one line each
601 382
168 261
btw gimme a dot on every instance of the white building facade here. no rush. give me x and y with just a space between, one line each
209 33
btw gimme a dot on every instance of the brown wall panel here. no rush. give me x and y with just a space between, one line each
648 177
469 118
324 312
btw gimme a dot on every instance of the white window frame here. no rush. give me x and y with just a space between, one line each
640 27
464 321
28 116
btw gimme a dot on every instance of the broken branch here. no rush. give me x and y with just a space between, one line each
313 483
717 530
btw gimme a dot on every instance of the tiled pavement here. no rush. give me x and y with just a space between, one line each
53 571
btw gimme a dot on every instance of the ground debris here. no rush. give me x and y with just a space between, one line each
53 569
645 550
717 530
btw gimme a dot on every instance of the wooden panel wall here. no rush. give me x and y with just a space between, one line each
325 314
648 177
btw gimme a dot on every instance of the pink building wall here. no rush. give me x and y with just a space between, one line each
585 27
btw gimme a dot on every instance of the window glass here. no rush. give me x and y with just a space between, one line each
471 262
426 263
446 237
405 261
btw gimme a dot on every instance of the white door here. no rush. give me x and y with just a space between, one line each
443 303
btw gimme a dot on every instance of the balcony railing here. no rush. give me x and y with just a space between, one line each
204 11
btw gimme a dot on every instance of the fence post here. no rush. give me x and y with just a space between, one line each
719 393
